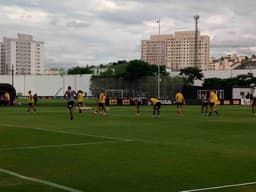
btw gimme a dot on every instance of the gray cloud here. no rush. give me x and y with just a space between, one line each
78 32
78 24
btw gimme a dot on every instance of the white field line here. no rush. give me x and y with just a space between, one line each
220 187
58 146
49 183
68 133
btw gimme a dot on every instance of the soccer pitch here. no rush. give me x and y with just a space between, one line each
122 152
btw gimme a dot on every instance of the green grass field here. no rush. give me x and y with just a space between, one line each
120 152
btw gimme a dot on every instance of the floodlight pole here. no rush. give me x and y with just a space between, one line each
196 17
159 62
12 76
24 81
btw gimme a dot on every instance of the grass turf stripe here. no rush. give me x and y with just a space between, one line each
49 183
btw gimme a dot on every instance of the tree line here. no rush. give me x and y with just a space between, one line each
136 69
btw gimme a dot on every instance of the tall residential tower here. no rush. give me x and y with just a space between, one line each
178 51
24 55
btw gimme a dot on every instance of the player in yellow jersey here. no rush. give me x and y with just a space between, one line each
213 100
156 105
6 98
179 98
101 103
30 102
80 100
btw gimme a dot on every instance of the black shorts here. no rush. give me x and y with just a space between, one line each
204 104
157 105
101 105
179 105
70 104
30 104
212 104
80 104
253 101
138 104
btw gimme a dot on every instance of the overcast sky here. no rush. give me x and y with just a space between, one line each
93 32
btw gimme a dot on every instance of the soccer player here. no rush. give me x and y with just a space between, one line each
30 102
6 98
156 105
35 99
253 101
213 99
70 95
101 103
137 101
80 100
179 98
204 103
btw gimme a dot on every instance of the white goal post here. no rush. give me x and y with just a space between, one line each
114 93
219 92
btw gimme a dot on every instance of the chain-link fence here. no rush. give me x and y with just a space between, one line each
144 87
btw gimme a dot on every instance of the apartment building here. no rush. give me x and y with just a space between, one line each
24 55
233 61
177 51
1 57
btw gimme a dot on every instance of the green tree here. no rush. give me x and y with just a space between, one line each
138 68
240 80
191 74
120 62
131 70
213 82
80 70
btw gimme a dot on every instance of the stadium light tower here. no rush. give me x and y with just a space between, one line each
196 17
159 62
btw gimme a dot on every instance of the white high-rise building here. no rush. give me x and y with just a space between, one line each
177 51
1 58
24 55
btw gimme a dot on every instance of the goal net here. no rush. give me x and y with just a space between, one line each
118 93
219 92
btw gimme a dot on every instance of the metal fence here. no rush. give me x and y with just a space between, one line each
145 86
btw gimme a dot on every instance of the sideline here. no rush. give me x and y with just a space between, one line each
58 146
220 187
49 183
66 132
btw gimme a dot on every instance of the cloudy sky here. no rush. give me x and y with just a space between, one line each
93 32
